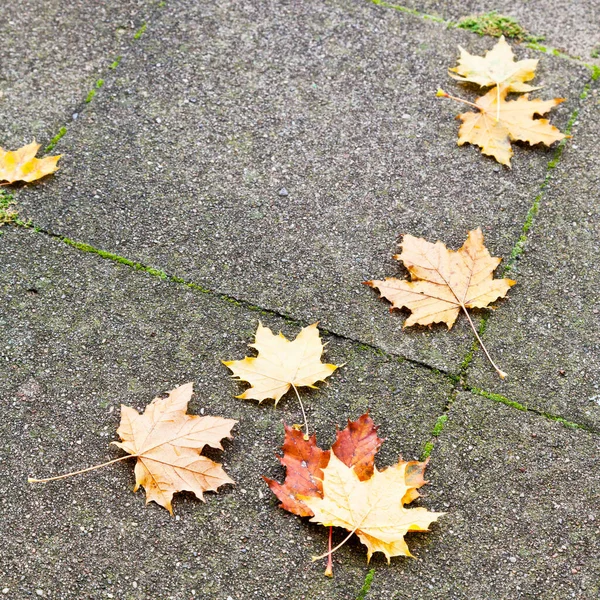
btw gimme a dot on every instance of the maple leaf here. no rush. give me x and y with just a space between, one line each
373 509
311 478
498 67
21 164
444 282
281 364
499 121
355 446
167 443
304 462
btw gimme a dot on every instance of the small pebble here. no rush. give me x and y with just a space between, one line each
193 100
39 592
5 591
496 169
283 192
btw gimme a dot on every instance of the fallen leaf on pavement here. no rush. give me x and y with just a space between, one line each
167 443
21 164
315 480
498 67
444 282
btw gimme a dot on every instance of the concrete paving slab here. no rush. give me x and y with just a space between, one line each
80 335
53 52
277 151
571 27
547 338
521 493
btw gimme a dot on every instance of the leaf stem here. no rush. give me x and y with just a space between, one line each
330 551
443 94
303 413
501 373
329 569
110 462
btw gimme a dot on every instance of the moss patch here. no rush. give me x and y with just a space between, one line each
8 212
494 24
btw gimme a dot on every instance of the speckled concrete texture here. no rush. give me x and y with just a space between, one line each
264 158
81 335
53 53
521 493
277 151
547 338
570 27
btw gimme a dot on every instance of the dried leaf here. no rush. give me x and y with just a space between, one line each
281 364
499 121
304 462
355 446
167 443
373 509
312 485
498 67
21 165
444 282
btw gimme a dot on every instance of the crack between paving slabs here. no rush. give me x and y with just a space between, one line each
460 382
160 274
103 75
532 45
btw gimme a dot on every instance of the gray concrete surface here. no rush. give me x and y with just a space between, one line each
180 161
81 335
522 499
53 53
547 338
570 27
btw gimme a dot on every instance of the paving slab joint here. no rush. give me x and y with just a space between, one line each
159 273
530 41
366 585
439 425
518 406
105 73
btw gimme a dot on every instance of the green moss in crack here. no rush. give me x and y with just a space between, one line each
115 63
140 32
439 425
498 398
410 11
8 211
55 140
90 96
494 24
366 585
427 450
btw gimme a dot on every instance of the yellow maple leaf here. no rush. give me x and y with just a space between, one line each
281 364
444 282
167 443
499 121
373 508
21 164
498 67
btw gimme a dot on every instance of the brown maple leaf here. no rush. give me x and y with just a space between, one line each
167 443
355 446
21 164
309 473
444 282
